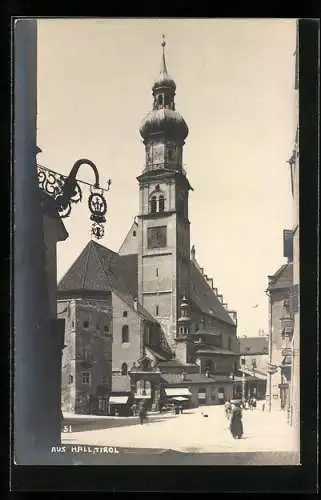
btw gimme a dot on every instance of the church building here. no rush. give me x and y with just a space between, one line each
147 322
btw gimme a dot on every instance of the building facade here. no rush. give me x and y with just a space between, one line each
280 288
171 330
254 357
294 167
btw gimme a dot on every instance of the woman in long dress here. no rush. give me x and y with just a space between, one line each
236 424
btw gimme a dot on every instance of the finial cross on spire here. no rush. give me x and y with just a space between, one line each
163 40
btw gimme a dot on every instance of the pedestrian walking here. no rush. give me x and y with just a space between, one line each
236 424
228 409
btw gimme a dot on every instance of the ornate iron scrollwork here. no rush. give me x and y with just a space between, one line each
98 208
66 191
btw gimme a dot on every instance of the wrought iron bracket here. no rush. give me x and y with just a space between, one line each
66 190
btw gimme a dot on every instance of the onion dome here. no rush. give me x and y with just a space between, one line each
164 121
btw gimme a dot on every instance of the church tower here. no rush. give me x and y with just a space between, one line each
164 228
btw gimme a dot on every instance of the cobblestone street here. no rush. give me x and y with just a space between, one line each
194 433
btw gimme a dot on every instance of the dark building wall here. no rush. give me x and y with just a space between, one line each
125 352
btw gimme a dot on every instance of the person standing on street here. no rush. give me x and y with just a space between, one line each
236 424
142 414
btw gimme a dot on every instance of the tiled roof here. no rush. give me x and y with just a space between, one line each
254 345
283 278
99 269
204 299
193 378
121 383
215 350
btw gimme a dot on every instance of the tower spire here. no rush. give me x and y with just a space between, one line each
163 70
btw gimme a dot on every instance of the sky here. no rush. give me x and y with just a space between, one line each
235 89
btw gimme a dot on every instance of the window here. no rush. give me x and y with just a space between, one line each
106 329
124 369
161 203
157 310
229 344
254 363
160 100
157 201
86 324
125 334
125 314
86 378
70 379
156 271
143 388
153 205
134 233
72 324
242 361
157 237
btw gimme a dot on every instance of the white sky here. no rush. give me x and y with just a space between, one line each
235 90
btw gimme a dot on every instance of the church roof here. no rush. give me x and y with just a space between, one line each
204 299
254 345
282 278
99 269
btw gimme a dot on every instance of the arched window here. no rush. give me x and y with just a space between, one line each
125 334
153 204
161 203
124 369
157 202
160 100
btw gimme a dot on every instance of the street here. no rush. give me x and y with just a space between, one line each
191 432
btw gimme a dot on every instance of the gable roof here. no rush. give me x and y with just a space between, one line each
254 345
203 298
99 269
282 278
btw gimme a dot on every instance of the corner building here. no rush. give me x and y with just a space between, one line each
172 333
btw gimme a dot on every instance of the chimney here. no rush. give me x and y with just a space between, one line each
202 270
135 303
225 305
193 252
220 297
210 282
215 290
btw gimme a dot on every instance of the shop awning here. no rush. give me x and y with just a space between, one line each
177 391
140 396
180 398
118 400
